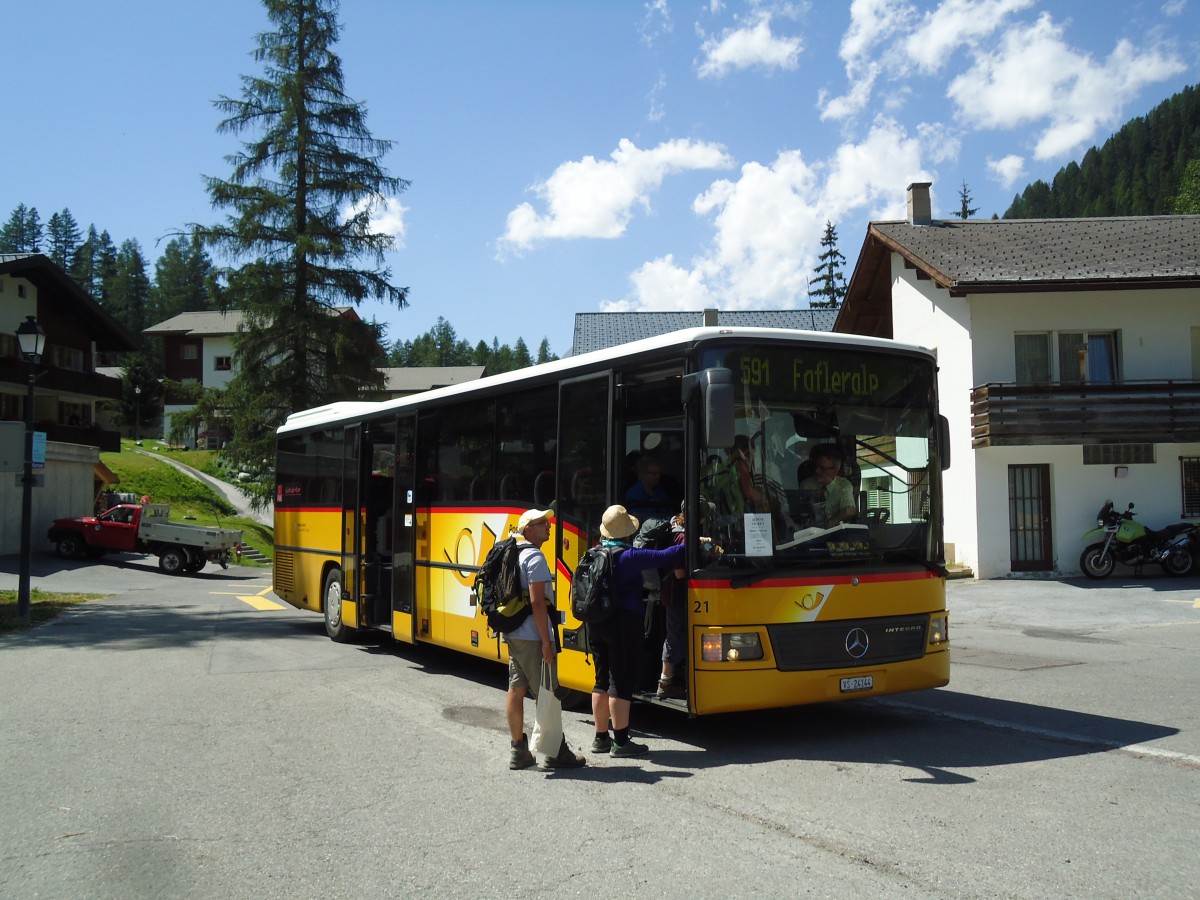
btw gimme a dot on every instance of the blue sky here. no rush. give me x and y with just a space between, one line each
580 156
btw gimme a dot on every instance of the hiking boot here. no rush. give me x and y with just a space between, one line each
670 689
629 748
566 759
520 757
601 743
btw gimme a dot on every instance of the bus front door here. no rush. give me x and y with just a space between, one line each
403 531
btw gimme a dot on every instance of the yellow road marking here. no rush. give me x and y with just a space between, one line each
259 602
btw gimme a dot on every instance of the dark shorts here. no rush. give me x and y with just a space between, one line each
616 648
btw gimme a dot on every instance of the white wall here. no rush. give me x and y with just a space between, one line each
925 315
67 491
1155 340
212 348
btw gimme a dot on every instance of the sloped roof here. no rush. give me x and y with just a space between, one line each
202 323
215 323
600 330
424 378
1006 255
52 282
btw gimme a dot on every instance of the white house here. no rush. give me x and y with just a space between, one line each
1069 355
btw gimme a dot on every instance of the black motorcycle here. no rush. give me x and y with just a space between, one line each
1122 540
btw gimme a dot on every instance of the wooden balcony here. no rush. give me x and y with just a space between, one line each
1141 412
107 441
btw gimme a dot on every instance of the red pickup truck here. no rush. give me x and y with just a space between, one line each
144 528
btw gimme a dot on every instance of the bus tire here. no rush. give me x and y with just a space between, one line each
172 560
331 603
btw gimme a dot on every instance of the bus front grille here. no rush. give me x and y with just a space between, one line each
849 643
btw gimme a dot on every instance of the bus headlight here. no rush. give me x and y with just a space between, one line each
939 629
730 647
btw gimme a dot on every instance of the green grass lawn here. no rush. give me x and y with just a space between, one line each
42 607
192 502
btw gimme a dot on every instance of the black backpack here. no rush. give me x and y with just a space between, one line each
594 586
654 534
498 587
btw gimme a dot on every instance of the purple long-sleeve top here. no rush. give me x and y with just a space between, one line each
633 561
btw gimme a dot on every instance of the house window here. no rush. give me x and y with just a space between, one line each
1083 357
1089 357
878 492
918 495
1189 476
223 363
1117 454
1033 358
189 351
10 407
66 357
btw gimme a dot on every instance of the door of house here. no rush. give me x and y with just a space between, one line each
1029 527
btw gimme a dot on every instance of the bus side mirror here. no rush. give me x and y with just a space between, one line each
716 394
943 435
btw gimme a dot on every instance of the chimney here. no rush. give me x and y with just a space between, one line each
919 210
710 318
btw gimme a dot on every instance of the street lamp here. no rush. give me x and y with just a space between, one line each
137 413
32 341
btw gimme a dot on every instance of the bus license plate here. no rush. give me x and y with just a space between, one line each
858 683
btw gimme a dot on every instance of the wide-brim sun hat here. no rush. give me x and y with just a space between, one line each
617 523
533 516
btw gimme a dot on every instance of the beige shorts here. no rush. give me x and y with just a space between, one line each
525 665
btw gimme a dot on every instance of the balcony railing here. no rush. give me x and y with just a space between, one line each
1014 415
107 441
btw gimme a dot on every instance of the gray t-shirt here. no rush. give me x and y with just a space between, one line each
533 568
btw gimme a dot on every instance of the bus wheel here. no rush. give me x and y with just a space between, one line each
334 626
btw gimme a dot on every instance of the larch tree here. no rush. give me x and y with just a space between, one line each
300 199
828 288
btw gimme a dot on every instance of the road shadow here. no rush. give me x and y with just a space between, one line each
937 737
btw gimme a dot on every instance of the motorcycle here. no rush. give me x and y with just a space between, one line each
1133 544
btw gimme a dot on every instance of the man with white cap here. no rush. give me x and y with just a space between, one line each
533 642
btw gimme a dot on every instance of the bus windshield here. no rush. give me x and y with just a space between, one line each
834 460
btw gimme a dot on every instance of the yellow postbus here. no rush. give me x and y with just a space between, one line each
384 511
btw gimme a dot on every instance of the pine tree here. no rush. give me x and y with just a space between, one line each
966 210
544 355
129 290
181 276
22 233
300 197
64 236
831 283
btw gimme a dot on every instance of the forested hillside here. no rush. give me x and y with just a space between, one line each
1138 172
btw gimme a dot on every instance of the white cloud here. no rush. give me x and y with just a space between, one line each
748 47
872 22
1034 75
953 24
768 222
385 215
656 22
1008 169
595 198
